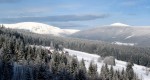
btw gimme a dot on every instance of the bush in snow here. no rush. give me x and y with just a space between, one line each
100 59
147 71
109 60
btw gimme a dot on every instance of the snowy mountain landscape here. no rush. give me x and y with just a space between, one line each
74 40
140 70
118 32
116 56
40 28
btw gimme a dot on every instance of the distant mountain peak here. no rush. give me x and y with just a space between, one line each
41 28
119 24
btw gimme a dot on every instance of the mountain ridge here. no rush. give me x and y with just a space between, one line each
40 28
119 24
123 34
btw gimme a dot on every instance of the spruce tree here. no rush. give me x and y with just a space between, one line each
92 71
129 71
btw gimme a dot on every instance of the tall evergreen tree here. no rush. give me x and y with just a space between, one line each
92 71
129 71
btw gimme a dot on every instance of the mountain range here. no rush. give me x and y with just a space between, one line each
118 33
40 28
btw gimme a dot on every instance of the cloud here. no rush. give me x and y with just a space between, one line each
59 18
69 25
9 1
27 11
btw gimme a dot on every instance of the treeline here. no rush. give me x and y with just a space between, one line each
20 61
137 55
111 74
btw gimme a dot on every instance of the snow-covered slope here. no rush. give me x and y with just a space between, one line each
138 69
126 44
119 32
41 28
118 24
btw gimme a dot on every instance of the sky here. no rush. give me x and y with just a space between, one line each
76 14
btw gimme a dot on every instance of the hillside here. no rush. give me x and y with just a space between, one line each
140 70
120 65
40 28
118 32
18 59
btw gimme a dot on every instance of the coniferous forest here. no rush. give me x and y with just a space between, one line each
134 54
21 61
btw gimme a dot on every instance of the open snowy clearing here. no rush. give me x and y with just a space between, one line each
138 69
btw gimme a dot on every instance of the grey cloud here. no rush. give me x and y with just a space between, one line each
69 25
59 18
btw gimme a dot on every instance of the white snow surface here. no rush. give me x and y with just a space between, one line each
40 28
126 44
118 24
138 69
129 36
